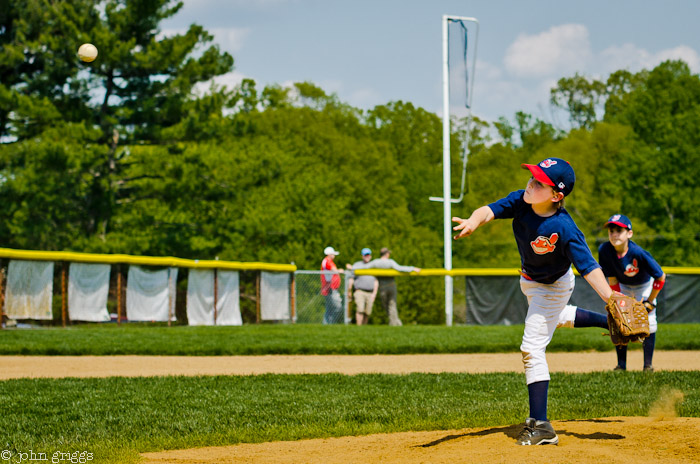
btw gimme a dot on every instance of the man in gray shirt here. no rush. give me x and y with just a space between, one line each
365 288
387 285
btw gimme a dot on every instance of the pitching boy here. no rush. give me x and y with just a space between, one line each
633 271
549 242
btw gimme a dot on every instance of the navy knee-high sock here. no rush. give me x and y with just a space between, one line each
649 349
538 399
586 318
621 356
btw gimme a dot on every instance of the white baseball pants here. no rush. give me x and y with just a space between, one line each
545 304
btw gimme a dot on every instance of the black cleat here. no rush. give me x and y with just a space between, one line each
648 369
537 433
620 368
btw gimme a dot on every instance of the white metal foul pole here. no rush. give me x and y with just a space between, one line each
447 199
446 174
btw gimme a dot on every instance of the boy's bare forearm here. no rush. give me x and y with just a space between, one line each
478 218
599 283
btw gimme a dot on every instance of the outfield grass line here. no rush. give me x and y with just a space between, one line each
14 367
308 339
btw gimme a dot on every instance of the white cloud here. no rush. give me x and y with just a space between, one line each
684 53
559 50
533 64
633 58
493 92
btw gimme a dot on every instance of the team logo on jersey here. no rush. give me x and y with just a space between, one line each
632 270
543 245
548 163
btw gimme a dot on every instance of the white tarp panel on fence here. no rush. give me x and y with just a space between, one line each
29 290
228 306
200 298
149 293
274 296
88 288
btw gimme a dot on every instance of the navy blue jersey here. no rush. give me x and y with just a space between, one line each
635 268
548 245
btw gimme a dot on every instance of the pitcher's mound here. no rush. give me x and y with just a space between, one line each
609 440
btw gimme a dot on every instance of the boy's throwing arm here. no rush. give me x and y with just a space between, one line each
478 218
599 283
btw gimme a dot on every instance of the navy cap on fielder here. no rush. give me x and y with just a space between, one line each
620 221
554 172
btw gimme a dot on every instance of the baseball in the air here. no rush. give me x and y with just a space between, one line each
87 52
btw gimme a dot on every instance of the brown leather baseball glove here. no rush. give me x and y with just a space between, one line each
628 319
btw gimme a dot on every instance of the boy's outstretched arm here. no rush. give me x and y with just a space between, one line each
597 280
467 226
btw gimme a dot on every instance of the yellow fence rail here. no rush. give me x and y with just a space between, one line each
172 261
168 261
487 272
439 272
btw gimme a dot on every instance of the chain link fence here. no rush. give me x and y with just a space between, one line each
419 292
310 306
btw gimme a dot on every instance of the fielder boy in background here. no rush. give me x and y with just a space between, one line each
633 271
549 242
365 288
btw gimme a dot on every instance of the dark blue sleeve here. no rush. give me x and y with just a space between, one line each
652 267
505 207
579 254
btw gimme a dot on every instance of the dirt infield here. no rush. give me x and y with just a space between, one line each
641 440
12 367
661 437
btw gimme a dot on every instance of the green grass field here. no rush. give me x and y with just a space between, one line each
117 418
110 339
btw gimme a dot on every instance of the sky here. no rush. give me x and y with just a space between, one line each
371 52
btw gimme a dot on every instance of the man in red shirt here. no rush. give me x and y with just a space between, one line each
330 283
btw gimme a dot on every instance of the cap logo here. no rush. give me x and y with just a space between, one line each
548 163
616 217
561 185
